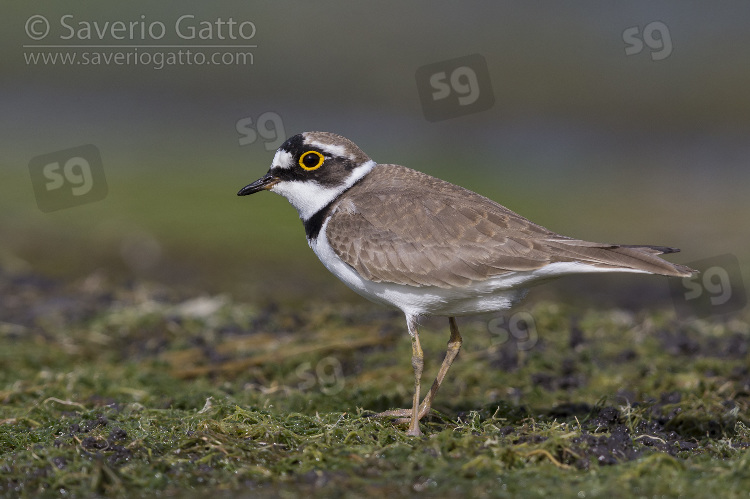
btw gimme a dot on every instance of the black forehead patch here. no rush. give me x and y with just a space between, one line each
294 145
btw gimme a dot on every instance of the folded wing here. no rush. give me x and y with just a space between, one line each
438 234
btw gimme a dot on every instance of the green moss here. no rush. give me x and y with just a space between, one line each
145 396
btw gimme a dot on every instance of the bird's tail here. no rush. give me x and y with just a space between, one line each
624 257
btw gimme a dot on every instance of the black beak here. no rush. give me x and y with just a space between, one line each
262 184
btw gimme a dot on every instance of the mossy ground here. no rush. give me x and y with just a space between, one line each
139 390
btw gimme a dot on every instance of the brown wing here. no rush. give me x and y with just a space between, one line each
402 226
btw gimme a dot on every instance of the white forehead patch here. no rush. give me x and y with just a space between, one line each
283 159
330 149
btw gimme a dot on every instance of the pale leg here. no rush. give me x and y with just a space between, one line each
454 345
417 362
412 416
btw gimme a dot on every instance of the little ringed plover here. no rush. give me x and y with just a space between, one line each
425 246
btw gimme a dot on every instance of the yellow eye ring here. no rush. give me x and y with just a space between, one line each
306 158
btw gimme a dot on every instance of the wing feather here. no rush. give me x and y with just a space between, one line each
406 227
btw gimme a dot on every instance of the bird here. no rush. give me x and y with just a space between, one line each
425 246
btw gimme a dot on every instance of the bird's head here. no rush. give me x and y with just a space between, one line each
312 169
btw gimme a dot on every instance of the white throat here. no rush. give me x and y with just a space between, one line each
309 197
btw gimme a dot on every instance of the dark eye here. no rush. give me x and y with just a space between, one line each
311 160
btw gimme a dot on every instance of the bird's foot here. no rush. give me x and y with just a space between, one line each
403 415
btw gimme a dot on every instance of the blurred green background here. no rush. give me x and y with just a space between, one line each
582 138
